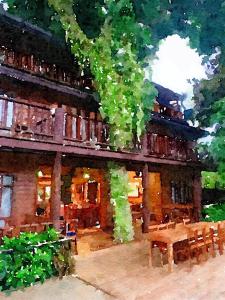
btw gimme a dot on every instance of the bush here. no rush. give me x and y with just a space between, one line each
29 258
214 213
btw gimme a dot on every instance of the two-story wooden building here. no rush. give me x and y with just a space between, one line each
54 146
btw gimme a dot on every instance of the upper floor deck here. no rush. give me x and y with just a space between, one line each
21 120
30 57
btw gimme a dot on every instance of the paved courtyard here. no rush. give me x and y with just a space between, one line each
121 272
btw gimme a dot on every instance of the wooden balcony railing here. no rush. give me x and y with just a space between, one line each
33 65
90 130
22 119
168 147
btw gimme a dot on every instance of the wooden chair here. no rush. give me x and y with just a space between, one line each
161 246
71 231
25 228
152 228
162 226
207 234
220 239
196 245
171 225
186 221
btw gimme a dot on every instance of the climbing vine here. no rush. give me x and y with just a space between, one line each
125 98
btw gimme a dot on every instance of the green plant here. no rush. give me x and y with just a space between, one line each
125 97
28 259
123 229
214 213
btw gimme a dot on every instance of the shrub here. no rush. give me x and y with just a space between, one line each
29 258
214 212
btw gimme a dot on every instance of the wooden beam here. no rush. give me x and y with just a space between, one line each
18 143
145 199
56 190
197 195
23 76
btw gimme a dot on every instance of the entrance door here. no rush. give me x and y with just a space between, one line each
155 192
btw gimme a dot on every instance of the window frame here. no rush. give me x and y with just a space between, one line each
2 186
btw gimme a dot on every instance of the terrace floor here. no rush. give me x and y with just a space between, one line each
121 272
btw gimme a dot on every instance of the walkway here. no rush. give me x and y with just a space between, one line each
69 288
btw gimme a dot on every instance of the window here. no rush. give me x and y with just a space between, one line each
6 186
181 192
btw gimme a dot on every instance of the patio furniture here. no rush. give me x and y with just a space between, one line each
171 225
71 231
180 233
160 245
186 221
220 239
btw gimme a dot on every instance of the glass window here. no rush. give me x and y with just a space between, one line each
6 186
181 192
9 114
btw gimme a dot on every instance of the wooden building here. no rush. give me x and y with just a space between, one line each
54 146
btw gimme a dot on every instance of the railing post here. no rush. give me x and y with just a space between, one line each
145 150
59 125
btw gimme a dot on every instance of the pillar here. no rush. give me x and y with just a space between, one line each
56 190
145 199
197 195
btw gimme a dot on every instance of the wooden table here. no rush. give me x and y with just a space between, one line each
172 236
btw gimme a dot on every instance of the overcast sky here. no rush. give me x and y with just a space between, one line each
177 63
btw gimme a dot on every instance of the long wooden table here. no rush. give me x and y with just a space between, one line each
172 236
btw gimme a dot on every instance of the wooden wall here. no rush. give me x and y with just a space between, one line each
22 167
169 174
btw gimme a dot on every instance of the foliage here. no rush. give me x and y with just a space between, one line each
123 230
23 261
126 99
212 180
214 213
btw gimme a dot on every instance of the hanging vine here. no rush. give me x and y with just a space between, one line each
126 99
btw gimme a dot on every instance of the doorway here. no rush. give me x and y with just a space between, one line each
155 195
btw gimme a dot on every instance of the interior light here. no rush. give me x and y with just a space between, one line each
86 176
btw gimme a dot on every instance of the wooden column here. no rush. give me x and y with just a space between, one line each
104 202
197 195
145 199
56 190
59 125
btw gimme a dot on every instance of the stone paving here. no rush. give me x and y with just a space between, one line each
123 272
69 288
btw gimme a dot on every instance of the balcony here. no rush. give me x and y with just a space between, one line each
67 126
172 148
35 66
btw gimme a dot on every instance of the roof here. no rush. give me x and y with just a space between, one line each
166 96
25 37
179 128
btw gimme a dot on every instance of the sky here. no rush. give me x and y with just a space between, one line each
177 63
